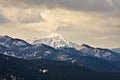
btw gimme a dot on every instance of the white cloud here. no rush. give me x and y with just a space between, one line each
18 15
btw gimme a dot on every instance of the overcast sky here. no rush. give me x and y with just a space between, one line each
94 22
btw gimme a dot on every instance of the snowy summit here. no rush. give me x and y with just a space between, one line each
55 40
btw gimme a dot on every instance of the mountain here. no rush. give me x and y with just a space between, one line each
49 53
55 41
12 46
42 51
19 69
58 42
117 50
9 42
99 52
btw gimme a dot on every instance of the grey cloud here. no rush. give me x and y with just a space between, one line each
95 5
18 15
35 19
70 29
87 5
3 20
117 2
98 25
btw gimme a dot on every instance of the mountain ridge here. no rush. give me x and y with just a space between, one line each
66 54
58 41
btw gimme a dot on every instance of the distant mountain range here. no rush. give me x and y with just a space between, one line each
59 42
58 49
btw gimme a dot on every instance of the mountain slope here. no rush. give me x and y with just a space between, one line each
49 53
99 52
58 42
9 42
41 51
19 69
116 50
12 46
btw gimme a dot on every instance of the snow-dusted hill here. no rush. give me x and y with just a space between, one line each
99 52
9 42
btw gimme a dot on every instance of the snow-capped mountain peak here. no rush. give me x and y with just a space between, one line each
55 40
56 36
